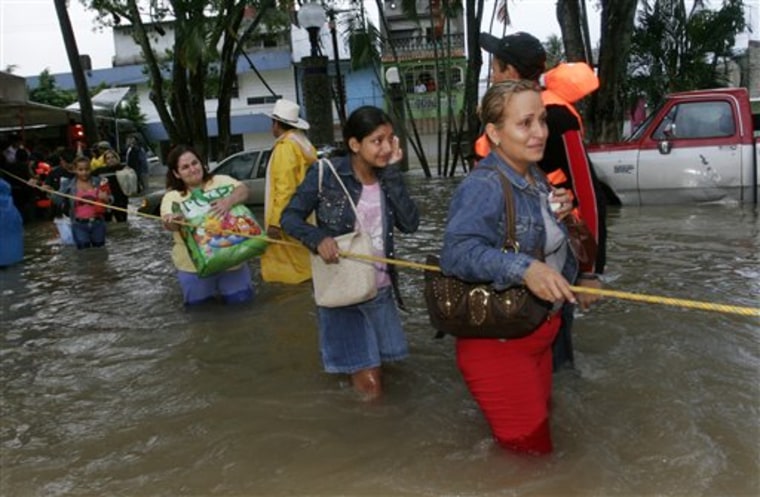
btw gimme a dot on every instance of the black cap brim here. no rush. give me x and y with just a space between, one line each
489 43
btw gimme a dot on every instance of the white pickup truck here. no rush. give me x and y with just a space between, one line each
697 147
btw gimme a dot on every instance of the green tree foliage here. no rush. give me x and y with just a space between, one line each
674 49
202 33
555 51
48 92
130 109
604 118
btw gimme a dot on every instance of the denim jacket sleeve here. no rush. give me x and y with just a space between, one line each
475 233
65 188
303 202
404 210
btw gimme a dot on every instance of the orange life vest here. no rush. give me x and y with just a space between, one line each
41 170
564 84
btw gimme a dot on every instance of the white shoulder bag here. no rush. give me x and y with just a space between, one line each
349 281
127 179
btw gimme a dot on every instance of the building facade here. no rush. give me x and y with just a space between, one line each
268 70
430 56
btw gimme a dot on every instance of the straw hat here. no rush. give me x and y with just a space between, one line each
286 112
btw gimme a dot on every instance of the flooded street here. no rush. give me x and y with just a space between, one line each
110 387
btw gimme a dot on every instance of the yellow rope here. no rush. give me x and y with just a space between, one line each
651 299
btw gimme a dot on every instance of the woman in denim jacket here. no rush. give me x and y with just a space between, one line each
511 379
357 339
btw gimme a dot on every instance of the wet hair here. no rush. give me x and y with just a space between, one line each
111 152
22 155
363 121
172 163
81 159
494 104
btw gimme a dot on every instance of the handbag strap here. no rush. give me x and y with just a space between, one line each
340 182
510 242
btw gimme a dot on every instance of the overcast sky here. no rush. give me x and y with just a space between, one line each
30 36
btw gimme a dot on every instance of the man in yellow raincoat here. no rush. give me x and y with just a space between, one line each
291 155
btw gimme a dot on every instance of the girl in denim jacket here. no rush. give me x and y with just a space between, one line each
357 339
87 218
511 379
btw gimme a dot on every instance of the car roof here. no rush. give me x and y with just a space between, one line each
217 165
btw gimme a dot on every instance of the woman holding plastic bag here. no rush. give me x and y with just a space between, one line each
213 233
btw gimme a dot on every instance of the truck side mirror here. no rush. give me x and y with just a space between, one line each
664 146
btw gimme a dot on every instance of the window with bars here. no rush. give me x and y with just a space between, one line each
421 78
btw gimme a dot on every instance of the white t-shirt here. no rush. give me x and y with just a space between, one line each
370 210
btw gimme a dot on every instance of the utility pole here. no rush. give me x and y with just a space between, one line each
316 83
83 93
340 97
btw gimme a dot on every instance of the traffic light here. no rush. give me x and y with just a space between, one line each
76 134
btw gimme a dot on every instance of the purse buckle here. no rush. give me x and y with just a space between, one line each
515 247
479 304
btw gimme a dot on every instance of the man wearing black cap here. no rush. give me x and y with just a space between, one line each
516 56
521 56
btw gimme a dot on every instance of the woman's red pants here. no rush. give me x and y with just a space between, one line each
511 380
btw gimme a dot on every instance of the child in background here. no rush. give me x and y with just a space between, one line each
87 219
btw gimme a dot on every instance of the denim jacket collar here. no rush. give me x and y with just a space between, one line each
517 180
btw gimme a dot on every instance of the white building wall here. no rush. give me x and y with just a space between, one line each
754 68
282 81
249 85
127 52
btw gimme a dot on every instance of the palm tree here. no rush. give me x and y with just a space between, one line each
675 48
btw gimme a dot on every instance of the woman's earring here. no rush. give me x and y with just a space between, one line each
497 143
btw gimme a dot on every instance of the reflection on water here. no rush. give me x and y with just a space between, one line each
110 387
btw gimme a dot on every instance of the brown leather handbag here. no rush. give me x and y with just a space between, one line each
582 242
477 310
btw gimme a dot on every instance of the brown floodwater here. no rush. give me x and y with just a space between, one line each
110 387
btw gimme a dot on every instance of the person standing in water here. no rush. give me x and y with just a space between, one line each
291 155
357 339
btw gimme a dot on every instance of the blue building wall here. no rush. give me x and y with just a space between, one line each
361 86
135 74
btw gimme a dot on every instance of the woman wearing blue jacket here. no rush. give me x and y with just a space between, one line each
357 339
511 379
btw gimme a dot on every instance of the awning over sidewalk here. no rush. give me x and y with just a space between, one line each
17 111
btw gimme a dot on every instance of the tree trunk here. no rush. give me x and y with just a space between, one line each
232 47
189 70
472 78
83 93
607 110
157 95
227 75
569 18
